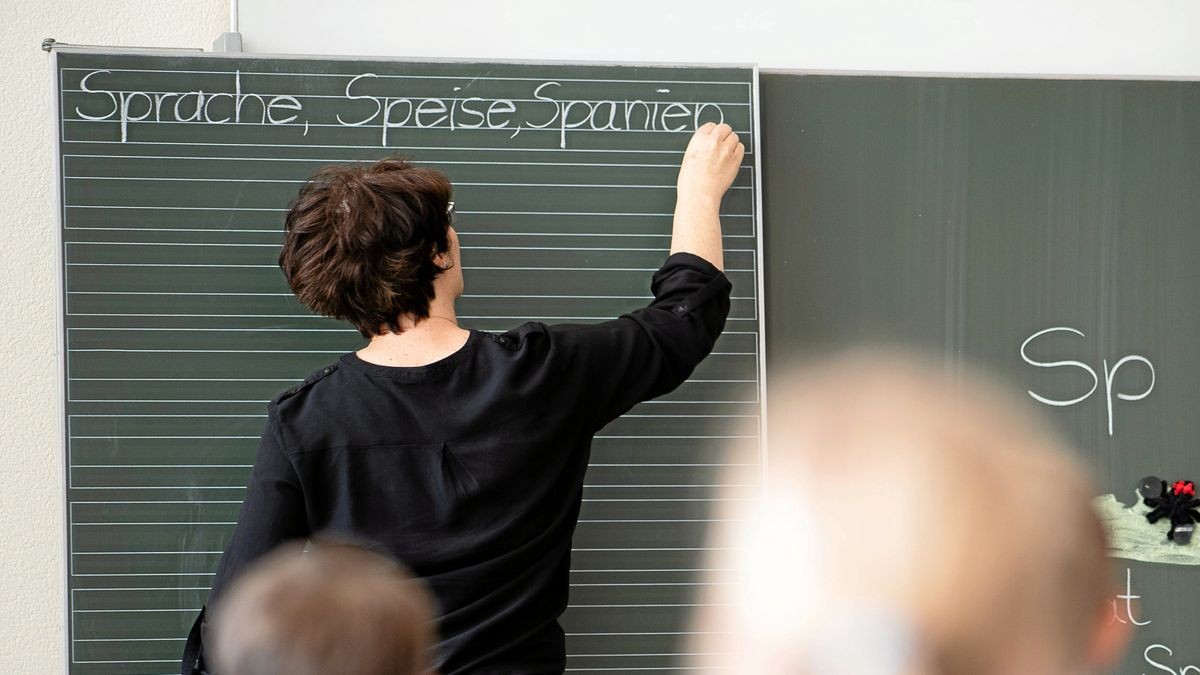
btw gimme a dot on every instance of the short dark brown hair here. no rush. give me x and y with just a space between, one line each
360 242
337 608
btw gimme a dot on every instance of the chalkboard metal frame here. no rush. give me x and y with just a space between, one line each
60 320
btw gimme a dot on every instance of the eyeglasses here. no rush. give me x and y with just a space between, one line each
450 212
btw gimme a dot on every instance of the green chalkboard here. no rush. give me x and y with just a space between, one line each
178 326
971 217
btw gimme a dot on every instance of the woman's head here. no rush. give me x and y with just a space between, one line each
373 244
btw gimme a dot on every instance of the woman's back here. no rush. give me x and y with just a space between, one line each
470 470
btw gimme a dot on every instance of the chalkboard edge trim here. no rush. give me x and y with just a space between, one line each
940 74
60 48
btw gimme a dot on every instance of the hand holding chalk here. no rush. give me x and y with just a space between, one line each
710 163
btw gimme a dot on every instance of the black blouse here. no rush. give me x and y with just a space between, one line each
470 470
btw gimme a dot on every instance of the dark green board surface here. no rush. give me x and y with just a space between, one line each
179 327
963 216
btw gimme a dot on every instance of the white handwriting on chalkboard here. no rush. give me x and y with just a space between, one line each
1110 375
189 106
370 100
1163 668
563 114
1152 652
1127 599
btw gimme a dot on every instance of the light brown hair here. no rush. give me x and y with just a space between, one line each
334 609
929 506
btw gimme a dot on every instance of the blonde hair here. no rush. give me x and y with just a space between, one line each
929 512
336 608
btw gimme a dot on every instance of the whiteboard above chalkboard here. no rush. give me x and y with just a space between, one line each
1091 38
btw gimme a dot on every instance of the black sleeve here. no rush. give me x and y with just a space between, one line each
272 512
617 364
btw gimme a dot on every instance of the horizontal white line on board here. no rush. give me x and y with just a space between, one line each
302 315
464 247
146 552
582 520
464 296
232 522
316 351
159 501
572 606
629 249
517 317
590 550
583 656
293 181
389 148
673 632
586 499
584 570
672 668
386 64
262 416
469 269
472 234
658 584
195 437
233 487
145 574
639 464
648 604
206 588
155 524
593 486
212 351
221 330
281 379
484 213
569 656
357 160
139 588
186 379
138 639
189 502
573 571
265 401
399 129
452 97
625 571
73 660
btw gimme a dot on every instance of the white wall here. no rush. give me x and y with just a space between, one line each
1127 38
32 581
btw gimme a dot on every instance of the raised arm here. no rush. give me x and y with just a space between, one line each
709 166
648 352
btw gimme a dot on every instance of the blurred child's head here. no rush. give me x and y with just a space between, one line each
912 522
334 609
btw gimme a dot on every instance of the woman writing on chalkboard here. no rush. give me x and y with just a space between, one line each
457 452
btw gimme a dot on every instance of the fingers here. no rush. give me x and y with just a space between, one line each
719 132
730 141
